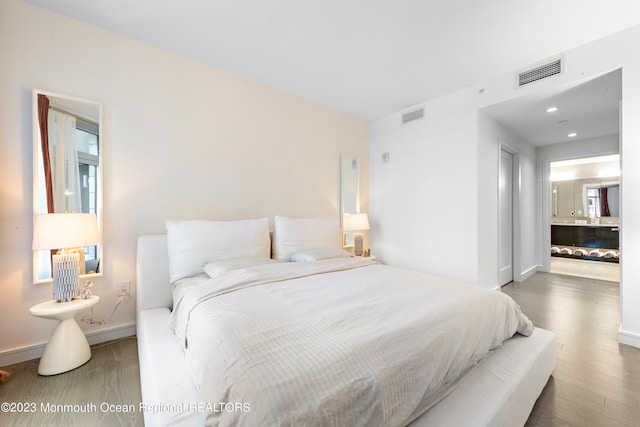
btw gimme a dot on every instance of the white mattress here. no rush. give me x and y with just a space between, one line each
165 380
501 391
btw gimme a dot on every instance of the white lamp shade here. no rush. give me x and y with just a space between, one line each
356 222
64 230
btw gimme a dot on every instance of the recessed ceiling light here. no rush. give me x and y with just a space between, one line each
572 135
552 109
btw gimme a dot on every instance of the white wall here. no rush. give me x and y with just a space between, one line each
181 140
457 154
434 205
424 201
492 136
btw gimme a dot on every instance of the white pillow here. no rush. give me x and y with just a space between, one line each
192 244
221 266
316 254
291 235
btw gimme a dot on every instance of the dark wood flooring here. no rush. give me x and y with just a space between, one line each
596 381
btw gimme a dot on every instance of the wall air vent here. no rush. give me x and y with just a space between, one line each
542 72
410 116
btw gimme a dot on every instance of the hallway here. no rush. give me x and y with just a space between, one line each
597 380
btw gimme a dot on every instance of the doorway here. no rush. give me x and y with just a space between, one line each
506 217
585 217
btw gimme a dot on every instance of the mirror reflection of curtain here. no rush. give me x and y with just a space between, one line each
610 197
604 202
66 177
45 180
43 122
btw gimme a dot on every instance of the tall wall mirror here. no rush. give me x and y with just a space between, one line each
349 190
67 167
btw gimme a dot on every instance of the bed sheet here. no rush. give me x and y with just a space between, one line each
337 342
183 286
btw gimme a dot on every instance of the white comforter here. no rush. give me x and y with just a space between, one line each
335 343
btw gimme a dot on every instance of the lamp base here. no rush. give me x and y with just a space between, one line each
358 239
66 273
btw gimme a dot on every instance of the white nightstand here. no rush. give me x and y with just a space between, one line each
68 347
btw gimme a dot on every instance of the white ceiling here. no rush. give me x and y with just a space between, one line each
366 58
590 109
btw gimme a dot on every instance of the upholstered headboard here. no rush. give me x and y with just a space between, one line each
153 289
194 242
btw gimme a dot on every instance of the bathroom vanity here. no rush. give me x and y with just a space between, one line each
590 237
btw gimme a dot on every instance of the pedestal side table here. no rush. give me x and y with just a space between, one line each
68 347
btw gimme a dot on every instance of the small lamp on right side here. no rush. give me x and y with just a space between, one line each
357 223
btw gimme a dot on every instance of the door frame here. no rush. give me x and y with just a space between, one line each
516 242
546 194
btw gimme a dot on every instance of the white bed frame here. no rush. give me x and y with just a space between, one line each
501 391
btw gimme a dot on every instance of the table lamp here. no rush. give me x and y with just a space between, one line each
65 231
357 223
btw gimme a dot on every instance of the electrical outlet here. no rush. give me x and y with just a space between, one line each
124 288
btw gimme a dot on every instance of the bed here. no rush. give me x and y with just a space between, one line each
180 386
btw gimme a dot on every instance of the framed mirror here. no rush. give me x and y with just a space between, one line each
585 198
585 188
349 191
67 170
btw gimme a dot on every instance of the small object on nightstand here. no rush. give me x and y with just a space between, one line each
86 292
68 347
367 254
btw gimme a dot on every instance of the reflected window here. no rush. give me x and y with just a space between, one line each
86 149
87 145
593 202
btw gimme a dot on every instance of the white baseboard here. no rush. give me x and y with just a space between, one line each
629 338
529 272
35 351
524 275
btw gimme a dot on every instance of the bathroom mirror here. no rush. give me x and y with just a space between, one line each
67 169
585 188
563 201
349 190
585 198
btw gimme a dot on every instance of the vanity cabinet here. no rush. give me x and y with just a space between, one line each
586 236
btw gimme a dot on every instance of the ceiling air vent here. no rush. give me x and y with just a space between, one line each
551 69
412 115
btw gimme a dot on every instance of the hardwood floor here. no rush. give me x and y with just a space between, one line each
111 377
609 271
596 381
